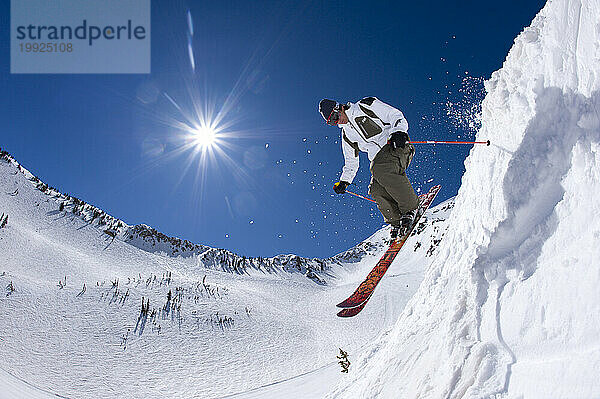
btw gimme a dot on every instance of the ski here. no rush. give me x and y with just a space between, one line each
357 301
350 312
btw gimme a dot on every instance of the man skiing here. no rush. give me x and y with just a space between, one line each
380 130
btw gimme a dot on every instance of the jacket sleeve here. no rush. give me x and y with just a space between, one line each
351 161
391 115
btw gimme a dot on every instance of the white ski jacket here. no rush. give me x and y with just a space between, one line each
370 124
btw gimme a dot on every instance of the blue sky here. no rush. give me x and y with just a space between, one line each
111 140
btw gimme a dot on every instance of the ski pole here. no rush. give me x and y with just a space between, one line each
360 196
450 142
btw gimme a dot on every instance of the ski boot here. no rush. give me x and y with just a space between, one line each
406 222
402 227
394 232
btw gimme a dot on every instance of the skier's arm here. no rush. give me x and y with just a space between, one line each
391 115
351 162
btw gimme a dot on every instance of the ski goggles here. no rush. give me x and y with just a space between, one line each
334 117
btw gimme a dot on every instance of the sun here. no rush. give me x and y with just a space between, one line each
204 137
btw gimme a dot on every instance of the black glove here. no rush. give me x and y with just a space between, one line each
340 187
398 140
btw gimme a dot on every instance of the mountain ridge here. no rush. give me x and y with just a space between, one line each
149 239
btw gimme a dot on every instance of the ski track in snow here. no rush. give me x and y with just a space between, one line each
61 340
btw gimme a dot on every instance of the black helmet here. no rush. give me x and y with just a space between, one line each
326 108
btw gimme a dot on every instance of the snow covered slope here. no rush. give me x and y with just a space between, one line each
511 303
151 240
88 311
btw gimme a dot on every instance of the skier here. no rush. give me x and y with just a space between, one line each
380 130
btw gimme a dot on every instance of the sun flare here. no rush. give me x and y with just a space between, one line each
204 137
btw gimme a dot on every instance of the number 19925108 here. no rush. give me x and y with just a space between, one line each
46 47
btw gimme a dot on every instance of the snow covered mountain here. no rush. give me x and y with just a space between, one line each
509 306
150 240
504 303
95 308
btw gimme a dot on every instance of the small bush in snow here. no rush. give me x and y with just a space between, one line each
62 284
224 322
82 291
344 362
3 221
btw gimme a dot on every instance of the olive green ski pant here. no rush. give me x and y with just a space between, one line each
390 187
